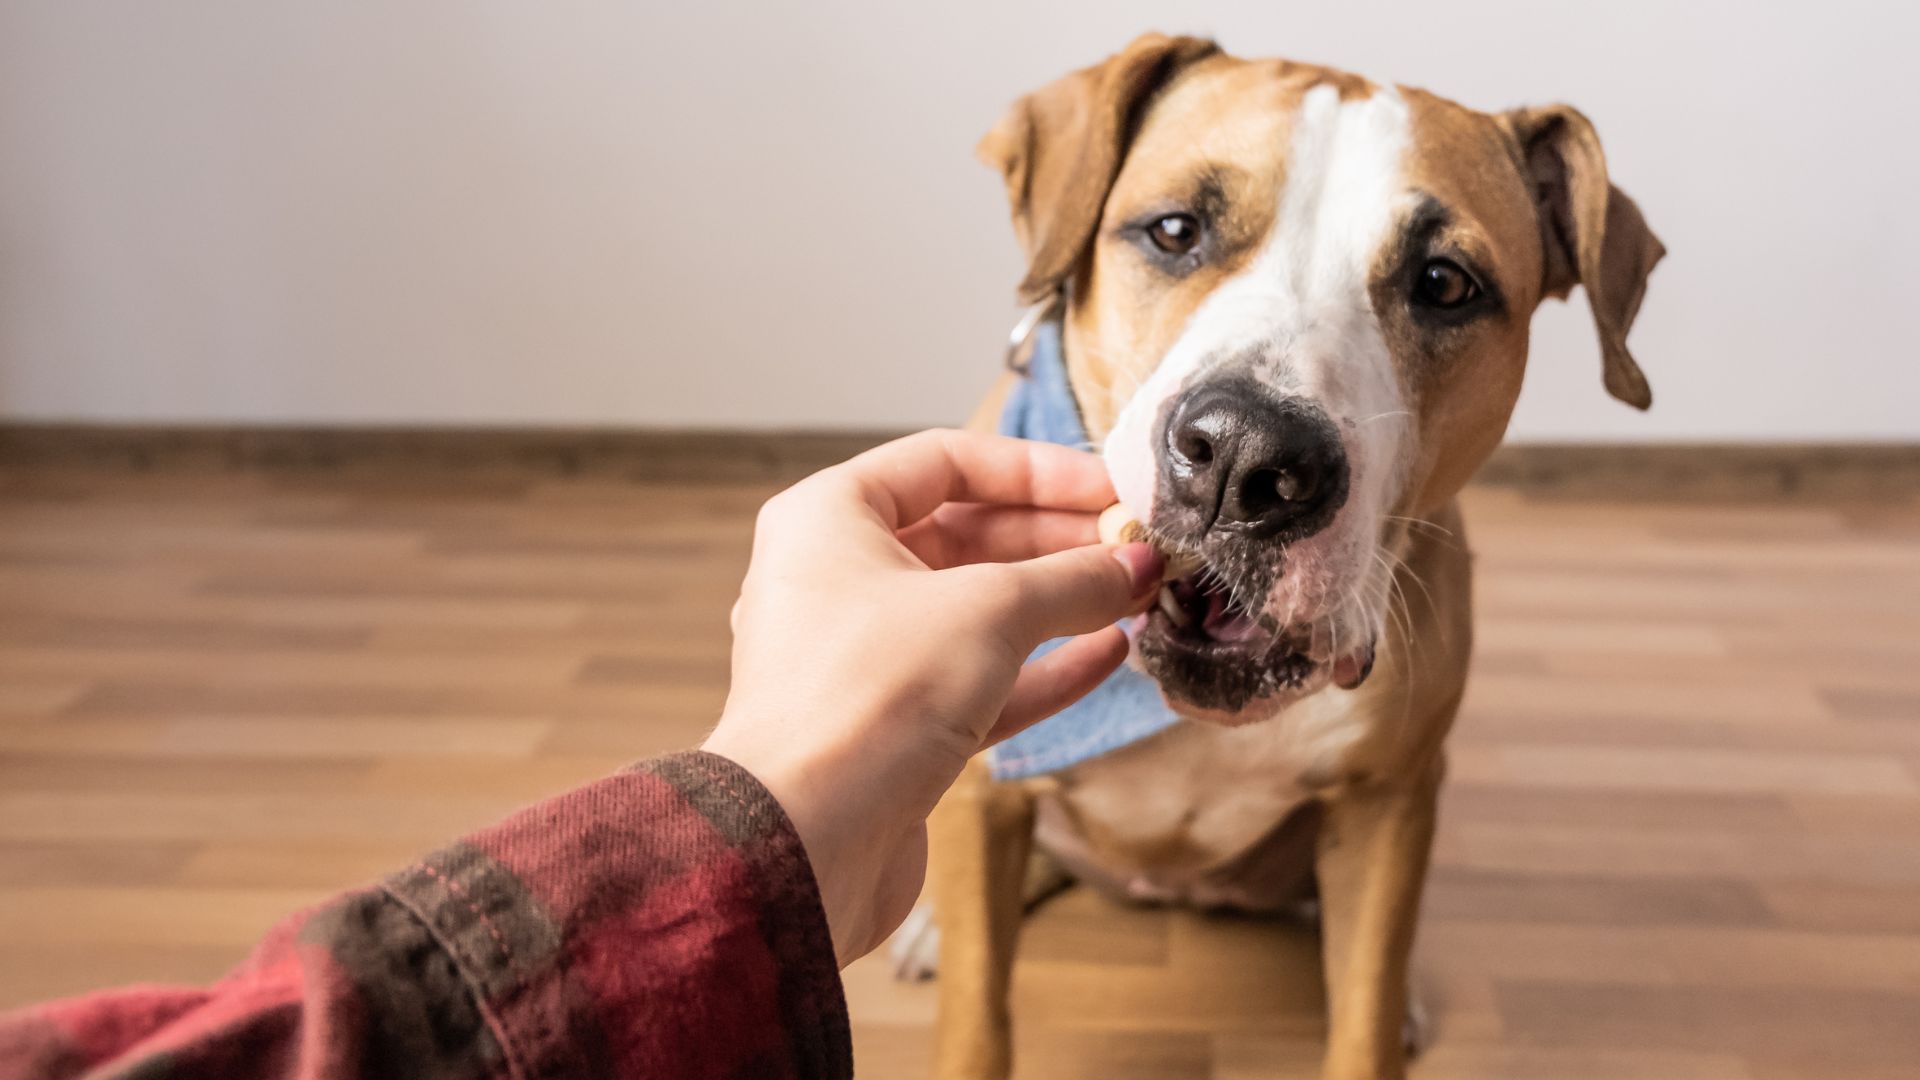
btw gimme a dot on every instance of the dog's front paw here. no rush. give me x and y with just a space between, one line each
915 947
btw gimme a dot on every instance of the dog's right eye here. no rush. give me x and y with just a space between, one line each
1175 234
1443 284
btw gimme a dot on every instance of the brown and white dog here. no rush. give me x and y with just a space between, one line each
1295 319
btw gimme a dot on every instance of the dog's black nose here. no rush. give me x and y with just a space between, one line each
1239 459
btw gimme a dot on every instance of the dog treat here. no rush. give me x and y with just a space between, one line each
1117 526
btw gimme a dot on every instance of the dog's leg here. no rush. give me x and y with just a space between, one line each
980 836
1372 861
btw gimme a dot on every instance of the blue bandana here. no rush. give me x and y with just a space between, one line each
1128 706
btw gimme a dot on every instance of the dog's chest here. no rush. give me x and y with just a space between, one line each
1195 814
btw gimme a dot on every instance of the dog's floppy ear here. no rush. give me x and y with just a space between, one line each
1060 147
1591 233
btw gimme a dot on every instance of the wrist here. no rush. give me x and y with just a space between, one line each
806 793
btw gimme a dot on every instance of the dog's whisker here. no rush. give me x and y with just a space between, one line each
1380 605
1384 415
1421 582
1404 618
1432 604
1421 523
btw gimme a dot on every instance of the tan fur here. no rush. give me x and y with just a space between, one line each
1059 148
1595 234
1533 206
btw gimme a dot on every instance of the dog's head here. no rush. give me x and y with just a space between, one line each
1297 307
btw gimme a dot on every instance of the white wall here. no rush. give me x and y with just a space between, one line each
712 214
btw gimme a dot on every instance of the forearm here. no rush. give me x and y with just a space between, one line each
660 922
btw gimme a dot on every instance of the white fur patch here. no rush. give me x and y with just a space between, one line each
915 947
1303 305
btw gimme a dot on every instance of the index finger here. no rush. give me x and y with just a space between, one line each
907 479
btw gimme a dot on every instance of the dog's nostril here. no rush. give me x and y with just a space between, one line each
1194 447
1264 490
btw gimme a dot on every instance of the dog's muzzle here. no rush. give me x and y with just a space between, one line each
1244 472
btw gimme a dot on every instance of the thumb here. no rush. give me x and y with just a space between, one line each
1082 589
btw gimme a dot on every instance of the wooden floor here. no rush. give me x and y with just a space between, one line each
1681 841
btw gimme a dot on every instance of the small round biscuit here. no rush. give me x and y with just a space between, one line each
1117 526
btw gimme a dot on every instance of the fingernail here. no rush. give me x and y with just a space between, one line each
1144 565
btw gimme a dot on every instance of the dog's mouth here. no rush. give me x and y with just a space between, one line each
1208 650
1199 611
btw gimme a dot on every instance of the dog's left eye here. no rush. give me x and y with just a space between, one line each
1443 284
1175 234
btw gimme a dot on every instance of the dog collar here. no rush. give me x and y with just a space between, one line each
1127 707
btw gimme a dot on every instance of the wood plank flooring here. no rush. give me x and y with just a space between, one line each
1681 840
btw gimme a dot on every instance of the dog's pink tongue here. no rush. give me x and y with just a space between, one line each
1226 624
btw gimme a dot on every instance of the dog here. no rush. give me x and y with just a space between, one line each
1292 306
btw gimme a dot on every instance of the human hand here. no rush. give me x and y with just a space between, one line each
880 635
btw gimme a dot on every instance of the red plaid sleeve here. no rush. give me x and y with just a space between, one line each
662 922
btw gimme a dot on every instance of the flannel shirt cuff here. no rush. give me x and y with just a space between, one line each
661 921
